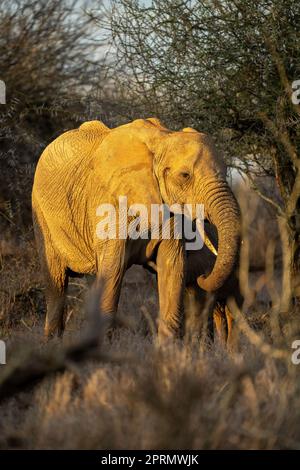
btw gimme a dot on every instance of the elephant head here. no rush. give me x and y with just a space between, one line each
189 170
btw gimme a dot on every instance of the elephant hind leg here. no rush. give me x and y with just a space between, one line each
56 279
56 285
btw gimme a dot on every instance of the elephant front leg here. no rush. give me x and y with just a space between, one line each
110 272
198 309
171 279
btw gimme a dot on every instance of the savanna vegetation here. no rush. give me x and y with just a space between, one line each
222 67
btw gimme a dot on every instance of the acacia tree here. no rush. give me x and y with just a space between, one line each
47 64
226 67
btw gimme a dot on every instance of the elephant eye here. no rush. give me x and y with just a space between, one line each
185 175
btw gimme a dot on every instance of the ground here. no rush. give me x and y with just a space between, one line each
139 395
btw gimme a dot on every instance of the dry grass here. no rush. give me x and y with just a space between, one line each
138 395
175 397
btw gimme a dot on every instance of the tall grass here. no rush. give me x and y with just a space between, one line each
135 394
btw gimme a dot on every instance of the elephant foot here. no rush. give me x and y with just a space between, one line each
166 334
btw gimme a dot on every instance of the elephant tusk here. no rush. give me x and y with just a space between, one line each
206 240
209 245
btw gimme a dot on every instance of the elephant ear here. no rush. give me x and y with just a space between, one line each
151 132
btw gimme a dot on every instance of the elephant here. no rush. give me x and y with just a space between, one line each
148 164
218 319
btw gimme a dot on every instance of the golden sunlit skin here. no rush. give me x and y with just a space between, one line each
76 173
189 170
148 164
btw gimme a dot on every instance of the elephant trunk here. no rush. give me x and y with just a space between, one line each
223 211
